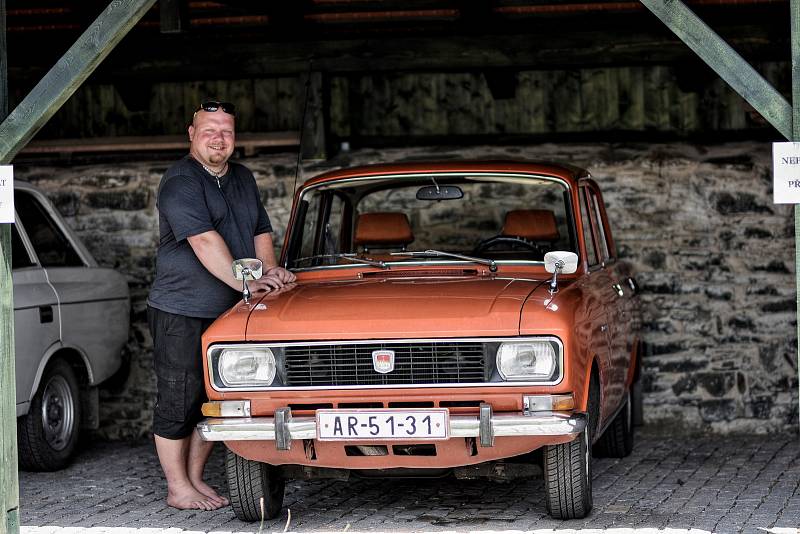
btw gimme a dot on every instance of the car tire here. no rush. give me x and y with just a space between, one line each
48 435
567 467
568 478
617 440
248 483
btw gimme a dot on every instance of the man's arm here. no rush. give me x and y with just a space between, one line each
213 253
265 251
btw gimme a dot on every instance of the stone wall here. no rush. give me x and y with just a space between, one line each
715 257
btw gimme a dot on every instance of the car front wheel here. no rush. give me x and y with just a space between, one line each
256 489
568 478
48 434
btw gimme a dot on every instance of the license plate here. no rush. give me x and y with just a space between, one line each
339 425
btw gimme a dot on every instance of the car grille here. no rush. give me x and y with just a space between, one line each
414 363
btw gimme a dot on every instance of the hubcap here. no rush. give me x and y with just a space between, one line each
58 412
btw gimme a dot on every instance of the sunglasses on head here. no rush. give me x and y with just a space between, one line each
213 105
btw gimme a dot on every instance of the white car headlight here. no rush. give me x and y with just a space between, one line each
246 366
528 360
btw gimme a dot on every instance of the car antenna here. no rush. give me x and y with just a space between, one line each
302 125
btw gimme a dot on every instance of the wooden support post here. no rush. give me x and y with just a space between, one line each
312 141
725 61
795 43
68 74
9 483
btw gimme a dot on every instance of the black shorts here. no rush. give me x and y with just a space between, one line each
178 362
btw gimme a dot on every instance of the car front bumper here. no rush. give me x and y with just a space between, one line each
283 428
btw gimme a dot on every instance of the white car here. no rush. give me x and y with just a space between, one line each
71 321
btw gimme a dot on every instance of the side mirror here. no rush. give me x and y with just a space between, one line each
559 261
564 262
247 269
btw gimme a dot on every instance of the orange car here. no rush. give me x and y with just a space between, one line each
465 318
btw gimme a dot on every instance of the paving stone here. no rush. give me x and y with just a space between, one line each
668 484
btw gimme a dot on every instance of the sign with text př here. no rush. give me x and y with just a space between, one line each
786 173
6 194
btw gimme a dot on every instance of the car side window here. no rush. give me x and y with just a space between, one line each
51 245
324 217
605 252
19 254
588 235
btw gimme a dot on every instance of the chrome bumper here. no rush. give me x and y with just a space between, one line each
283 428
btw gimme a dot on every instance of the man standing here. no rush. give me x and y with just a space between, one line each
210 212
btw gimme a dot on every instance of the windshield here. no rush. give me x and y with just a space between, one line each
505 218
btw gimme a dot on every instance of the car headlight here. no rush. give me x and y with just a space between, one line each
529 360
247 366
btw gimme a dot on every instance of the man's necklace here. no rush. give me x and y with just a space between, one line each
216 175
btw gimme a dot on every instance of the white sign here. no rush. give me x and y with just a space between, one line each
6 194
786 173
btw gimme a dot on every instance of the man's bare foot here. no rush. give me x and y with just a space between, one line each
186 497
209 492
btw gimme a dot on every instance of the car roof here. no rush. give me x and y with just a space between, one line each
567 172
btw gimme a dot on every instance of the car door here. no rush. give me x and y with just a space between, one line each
617 296
597 287
36 315
93 301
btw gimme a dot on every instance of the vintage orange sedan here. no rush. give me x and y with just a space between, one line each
464 318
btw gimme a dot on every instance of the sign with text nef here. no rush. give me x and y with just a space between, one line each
786 173
6 194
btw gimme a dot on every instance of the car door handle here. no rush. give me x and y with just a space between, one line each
633 285
45 314
618 289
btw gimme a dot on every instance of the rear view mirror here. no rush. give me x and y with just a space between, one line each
439 192
247 269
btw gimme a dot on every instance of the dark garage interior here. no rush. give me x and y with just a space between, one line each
684 162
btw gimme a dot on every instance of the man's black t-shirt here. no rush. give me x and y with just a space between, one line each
189 203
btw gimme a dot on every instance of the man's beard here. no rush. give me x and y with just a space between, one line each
217 158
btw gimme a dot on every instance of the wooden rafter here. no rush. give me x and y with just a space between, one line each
725 61
68 74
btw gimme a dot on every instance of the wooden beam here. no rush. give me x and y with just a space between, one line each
794 17
725 61
68 74
9 483
3 63
247 142
192 57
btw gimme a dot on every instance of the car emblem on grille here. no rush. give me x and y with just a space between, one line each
383 361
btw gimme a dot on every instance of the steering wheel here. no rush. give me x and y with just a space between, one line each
486 244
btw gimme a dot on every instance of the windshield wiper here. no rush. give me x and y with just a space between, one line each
355 258
439 254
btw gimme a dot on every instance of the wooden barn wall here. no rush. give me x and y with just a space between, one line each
682 101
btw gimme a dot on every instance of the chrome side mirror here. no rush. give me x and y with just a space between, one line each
559 261
247 269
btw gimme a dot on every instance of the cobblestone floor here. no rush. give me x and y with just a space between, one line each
669 484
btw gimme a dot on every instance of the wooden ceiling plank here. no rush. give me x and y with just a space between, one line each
725 61
68 74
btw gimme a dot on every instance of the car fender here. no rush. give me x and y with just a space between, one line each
53 351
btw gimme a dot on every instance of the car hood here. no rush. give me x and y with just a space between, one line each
392 308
